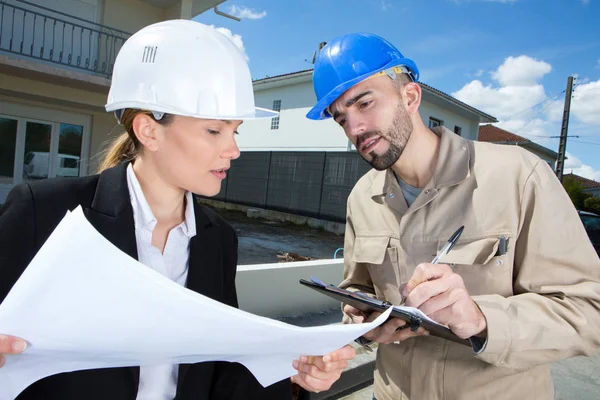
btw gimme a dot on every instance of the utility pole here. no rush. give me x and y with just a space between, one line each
562 147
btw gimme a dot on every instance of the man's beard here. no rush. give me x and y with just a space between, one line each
397 136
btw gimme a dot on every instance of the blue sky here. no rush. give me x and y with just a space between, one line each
509 58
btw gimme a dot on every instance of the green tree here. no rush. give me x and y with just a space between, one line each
575 192
592 204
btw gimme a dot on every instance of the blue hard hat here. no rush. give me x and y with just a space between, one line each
349 59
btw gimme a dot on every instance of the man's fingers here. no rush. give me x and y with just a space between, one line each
406 333
348 309
424 273
2 361
431 289
373 316
357 316
440 301
11 345
383 332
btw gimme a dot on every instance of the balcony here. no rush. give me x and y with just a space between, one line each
37 39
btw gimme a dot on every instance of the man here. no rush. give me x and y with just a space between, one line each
522 281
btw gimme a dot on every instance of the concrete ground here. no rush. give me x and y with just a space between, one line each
260 241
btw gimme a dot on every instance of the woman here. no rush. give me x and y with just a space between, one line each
181 90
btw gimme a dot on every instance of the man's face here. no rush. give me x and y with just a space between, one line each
375 120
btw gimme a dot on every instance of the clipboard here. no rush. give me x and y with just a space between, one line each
368 304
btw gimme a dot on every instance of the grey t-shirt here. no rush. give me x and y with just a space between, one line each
410 192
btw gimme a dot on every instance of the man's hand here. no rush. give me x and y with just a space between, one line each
10 345
317 374
441 294
394 330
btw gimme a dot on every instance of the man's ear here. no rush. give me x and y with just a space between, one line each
144 128
411 95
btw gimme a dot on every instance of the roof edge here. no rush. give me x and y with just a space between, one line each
308 72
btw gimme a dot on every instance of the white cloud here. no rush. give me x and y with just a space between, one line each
585 2
574 164
502 102
246 13
479 73
517 95
521 71
598 63
536 128
385 5
235 38
585 104
520 103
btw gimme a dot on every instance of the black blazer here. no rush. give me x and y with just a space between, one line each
30 214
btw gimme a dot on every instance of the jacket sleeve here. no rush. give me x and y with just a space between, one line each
356 274
554 312
233 381
17 236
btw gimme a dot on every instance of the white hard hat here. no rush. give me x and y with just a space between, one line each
185 68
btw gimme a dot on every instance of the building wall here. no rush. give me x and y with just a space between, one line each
551 161
173 12
470 128
58 97
53 91
130 15
296 132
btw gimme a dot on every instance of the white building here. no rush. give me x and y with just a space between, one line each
293 95
56 59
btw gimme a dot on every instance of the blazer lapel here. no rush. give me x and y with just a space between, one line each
205 274
111 214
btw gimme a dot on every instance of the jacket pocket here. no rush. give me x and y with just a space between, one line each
381 261
483 270
477 252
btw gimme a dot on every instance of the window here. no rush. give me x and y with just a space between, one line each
433 122
458 130
275 120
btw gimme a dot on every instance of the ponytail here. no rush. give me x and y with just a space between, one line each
126 147
122 149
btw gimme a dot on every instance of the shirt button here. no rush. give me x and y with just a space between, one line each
427 191
392 195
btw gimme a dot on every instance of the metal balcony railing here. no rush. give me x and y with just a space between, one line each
38 32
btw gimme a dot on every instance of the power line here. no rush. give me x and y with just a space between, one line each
534 106
581 141
533 119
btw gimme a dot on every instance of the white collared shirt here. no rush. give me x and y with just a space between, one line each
160 382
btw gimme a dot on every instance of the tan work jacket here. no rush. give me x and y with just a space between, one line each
541 298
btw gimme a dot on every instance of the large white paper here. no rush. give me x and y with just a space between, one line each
84 304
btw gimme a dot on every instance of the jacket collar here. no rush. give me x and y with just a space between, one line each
453 166
112 195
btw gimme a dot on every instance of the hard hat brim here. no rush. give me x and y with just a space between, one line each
319 111
258 113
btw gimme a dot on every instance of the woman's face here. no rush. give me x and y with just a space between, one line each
194 154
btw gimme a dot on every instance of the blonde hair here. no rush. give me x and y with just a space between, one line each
126 146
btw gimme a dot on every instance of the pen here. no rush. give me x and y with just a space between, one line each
448 246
